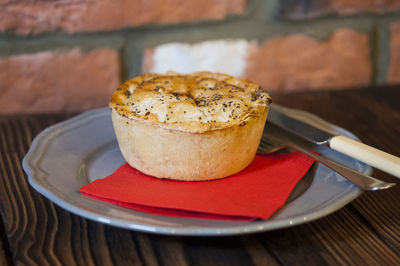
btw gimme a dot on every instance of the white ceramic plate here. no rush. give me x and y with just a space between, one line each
70 154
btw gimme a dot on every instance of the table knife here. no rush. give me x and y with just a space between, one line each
348 146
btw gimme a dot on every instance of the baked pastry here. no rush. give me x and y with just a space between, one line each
199 126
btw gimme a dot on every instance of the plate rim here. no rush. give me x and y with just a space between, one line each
35 174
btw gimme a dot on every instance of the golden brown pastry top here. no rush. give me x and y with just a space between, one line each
195 102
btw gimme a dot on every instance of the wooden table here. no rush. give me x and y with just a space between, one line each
367 231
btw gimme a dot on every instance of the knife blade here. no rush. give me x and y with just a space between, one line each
350 147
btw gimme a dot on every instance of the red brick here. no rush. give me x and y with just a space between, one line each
313 8
54 82
24 17
393 75
298 62
354 6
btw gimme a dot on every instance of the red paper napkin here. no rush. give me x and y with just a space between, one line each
254 193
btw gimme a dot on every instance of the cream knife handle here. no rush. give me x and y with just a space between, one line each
367 154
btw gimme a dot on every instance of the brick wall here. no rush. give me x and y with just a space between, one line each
70 55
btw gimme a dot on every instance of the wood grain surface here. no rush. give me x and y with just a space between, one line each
34 231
